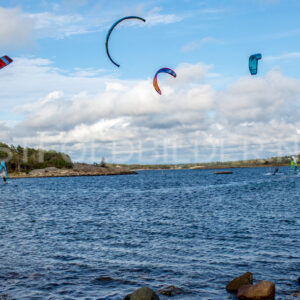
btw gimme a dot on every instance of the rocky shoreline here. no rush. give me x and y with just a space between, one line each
242 286
77 170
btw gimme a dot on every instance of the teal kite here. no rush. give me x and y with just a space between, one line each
110 31
253 62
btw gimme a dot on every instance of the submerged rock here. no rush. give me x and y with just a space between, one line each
235 284
170 291
263 290
104 278
143 293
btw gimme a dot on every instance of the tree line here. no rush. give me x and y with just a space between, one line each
19 159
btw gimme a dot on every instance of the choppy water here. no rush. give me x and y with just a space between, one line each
188 228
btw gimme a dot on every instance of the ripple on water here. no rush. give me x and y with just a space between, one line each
103 237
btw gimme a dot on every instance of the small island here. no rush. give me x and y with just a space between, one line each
33 163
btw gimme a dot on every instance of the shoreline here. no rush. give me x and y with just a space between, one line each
14 176
53 172
77 171
213 167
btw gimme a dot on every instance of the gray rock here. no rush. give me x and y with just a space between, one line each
235 284
263 290
143 293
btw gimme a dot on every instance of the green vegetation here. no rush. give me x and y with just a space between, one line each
269 162
20 159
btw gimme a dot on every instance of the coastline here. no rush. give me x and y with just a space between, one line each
76 171
90 170
214 167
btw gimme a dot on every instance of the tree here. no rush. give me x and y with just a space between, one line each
103 163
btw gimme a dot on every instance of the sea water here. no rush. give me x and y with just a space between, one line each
103 237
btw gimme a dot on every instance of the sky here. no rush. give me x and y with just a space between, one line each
62 92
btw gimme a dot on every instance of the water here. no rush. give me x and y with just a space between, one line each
103 237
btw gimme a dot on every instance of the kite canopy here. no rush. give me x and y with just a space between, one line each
3 170
294 164
162 70
4 61
110 31
253 62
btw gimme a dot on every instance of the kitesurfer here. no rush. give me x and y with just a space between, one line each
294 164
275 171
3 171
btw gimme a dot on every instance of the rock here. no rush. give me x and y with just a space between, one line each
143 293
104 278
263 290
236 283
296 294
170 291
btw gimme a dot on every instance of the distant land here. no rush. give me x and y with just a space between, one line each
251 163
29 162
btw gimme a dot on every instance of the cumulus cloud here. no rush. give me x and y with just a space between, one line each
273 97
126 120
119 99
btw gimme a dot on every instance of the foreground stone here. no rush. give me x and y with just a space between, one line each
143 293
235 284
170 291
263 290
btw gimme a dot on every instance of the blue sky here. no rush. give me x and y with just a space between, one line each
61 65
222 33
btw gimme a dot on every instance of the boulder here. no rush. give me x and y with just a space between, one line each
263 290
235 284
143 293
170 291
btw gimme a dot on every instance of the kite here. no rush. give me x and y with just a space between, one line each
4 61
110 31
294 164
253 61
162 70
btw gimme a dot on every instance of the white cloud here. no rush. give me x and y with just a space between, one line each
273 97
16 28
75 113
155 17
53 25
194 45
292 55
19 28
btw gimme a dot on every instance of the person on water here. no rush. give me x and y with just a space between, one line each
275 171
3 171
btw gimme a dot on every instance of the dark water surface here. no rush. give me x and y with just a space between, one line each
188 228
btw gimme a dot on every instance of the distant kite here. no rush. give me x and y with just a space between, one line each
4 61
294 164
110 31
253 62
162 70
